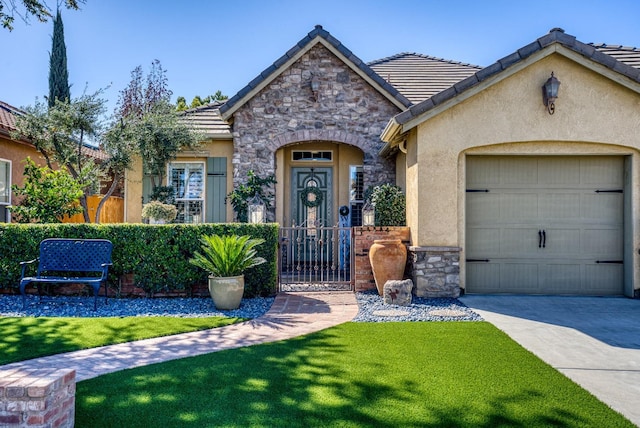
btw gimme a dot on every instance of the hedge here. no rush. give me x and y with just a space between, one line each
156 255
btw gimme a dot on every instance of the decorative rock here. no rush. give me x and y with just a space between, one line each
398 292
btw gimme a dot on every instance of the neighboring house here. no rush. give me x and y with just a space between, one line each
12 154
506 197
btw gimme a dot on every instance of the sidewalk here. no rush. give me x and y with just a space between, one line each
291 315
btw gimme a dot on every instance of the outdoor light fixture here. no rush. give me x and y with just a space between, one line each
550 93
315 87
257 209
368 215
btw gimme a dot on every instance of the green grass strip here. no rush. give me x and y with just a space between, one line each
353 375
24 338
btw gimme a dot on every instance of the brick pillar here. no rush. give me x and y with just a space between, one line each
363 240
435 271
37 398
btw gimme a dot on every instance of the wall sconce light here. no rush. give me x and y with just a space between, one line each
257 210
315 87
550 93
368 215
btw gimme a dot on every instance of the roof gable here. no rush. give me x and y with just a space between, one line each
317 35
556 41
418 76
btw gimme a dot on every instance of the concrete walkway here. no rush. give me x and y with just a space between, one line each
595 341
291 315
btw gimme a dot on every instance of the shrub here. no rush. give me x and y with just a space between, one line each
390 205
157 256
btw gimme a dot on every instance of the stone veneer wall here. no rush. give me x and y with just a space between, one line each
346 110
435 271
37 398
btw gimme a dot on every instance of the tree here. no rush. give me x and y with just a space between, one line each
181 102
58 74
61 134
147 125
47 196
38 9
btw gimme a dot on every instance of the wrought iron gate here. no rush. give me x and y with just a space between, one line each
315 258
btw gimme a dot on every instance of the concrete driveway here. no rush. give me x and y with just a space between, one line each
595 341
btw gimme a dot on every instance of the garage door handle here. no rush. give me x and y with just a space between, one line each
544 239
540 239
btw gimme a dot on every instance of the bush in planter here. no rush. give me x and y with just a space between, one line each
226 256
156 210
390 204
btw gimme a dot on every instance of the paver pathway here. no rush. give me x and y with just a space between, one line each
291 315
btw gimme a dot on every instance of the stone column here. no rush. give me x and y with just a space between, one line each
435 271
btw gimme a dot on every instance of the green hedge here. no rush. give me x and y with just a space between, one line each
157 255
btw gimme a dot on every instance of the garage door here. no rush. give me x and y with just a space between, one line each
544 225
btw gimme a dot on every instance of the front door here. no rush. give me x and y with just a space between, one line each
311 196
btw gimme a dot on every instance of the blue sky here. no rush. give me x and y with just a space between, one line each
222 45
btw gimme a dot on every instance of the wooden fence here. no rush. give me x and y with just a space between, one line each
112 211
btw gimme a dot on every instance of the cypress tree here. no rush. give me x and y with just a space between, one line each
58 74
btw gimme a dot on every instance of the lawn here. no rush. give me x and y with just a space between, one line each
421 374
24 338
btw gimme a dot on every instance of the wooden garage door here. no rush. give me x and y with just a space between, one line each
544 225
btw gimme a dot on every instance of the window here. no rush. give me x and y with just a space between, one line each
5 190
356 193
187 181
326 156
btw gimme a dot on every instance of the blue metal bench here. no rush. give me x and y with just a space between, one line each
65 261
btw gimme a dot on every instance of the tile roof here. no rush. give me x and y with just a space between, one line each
625 54
419 77
606 56
7 117
207 121
303 45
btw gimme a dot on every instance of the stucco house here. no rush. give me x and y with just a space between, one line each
12 153
502 196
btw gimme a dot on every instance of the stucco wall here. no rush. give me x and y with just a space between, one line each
16 152
133 177
593 116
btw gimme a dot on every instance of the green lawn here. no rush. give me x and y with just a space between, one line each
24 338
355 375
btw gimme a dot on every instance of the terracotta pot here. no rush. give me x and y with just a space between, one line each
388 259
226 292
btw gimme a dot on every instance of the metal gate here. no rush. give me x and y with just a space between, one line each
315 258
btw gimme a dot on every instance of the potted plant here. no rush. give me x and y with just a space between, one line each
226 258
158 213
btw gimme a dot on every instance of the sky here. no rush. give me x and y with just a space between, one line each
213 45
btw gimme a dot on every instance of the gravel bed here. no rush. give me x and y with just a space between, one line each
372 309
62 306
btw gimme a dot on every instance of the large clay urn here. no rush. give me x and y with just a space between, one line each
388 259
